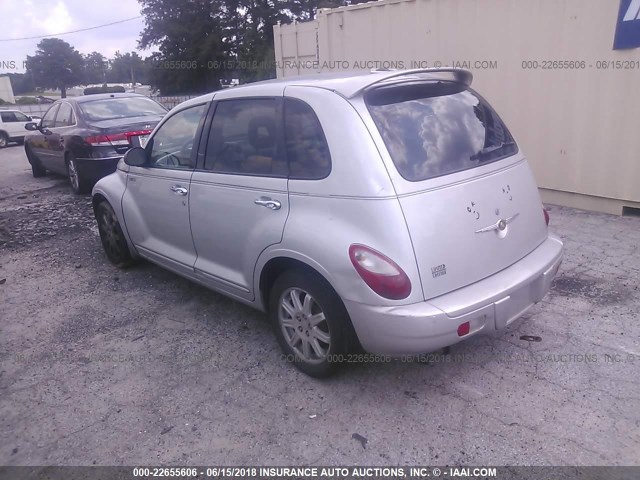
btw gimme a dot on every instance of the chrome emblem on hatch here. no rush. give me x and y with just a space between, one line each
500 226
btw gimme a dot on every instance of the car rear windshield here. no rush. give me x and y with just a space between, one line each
437 128
123 107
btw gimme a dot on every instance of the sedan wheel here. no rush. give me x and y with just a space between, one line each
4 139
78 183
310 322
112 237
304 325
36 167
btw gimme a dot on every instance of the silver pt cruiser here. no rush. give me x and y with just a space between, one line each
389 211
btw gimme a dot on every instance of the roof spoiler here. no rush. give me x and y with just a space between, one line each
457 75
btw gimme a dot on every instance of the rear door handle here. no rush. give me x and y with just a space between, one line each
178 190
268 202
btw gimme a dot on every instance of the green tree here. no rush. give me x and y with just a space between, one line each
190 38
95 68
202 42
128 68
56 64
303 10
251 30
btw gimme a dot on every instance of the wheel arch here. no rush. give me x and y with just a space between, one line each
278 263
101 193
96 199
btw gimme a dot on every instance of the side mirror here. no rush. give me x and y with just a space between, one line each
136 157
31 126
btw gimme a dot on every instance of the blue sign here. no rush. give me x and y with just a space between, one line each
628 27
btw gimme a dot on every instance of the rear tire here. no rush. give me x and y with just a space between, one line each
36 167
310 322
112 237
4 139
78 183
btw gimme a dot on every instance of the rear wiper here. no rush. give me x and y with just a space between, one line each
491 149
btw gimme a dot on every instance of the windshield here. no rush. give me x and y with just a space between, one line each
434 129
122 107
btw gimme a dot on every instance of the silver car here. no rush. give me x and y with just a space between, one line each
390 212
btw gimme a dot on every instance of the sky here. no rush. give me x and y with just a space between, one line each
28 18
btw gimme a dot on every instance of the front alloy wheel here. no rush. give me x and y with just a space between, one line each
112 237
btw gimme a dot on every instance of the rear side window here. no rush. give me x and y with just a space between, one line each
434 129
307 149
244 138
65 116
8 117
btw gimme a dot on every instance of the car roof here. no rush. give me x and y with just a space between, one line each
348 83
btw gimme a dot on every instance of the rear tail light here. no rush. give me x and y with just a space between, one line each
380 273
464 329
114 139
546 216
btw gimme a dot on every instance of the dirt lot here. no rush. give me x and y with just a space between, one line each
102 366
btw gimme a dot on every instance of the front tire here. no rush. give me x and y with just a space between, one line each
112 237
36 167
310 322
78 183
4 139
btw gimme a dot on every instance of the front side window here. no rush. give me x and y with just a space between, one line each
48 121
65 116
21 117
435 129
172 145
244 138
307 149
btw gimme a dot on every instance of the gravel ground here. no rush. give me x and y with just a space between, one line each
103 366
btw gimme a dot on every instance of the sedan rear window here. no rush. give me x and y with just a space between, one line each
123 107
437 128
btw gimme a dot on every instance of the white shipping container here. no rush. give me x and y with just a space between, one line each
547 66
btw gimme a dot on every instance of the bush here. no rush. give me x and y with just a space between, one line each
27 101
104 89
2 102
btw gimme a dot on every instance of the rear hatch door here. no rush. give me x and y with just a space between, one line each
470 201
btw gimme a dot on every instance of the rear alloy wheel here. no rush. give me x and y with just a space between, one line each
112 237
78 183
4 139
310 321
36 167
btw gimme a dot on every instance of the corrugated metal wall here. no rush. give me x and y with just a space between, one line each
580 126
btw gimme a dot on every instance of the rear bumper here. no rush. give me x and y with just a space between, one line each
492 303
93 169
